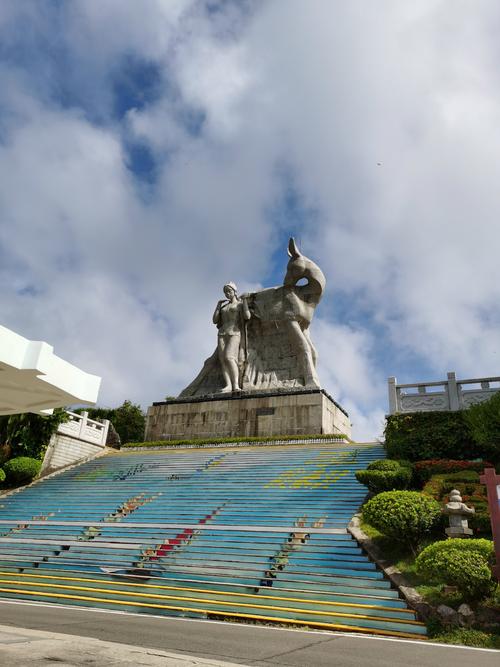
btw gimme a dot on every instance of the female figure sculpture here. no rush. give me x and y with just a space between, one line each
230 315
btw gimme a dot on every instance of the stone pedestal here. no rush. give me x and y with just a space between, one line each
247 414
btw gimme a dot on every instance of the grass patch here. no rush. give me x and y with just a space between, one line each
465 637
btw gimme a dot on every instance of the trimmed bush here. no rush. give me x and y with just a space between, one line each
2 475
378 481
21 470
406 516
424 470
384 464
461 563
431 435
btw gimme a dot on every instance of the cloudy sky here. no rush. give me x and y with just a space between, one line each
152 150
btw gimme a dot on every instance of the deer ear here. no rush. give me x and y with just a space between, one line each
293 251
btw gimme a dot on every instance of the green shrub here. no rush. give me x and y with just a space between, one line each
406 516
21 470
28 434
378 481
431 435
461 563
2 475
384 464
424 470
483 422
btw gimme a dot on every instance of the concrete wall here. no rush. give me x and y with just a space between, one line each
300 413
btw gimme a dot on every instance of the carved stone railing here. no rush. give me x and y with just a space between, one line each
83 428
450 394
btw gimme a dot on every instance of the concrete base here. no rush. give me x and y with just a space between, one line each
247 414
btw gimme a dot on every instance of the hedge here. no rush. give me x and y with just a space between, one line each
431 435
424 470
219 441
461 563
483 421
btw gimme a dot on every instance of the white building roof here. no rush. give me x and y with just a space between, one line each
34 379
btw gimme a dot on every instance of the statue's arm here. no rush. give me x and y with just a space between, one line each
216 315
246 310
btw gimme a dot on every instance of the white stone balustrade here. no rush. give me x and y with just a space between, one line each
449 394
83 428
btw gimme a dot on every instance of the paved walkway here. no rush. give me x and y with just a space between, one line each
96 637
20 647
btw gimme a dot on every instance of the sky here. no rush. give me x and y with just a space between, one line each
152 151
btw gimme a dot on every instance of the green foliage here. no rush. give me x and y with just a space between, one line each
483 421
378 481
2 476
21 470
220 441
431 435
385 475
424 470
129 420
406 516
29 434
384 464
461 563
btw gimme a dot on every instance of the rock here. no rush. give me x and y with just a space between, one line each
447 615
465 615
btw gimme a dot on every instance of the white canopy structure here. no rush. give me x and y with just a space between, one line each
34 379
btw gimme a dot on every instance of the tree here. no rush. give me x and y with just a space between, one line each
128 420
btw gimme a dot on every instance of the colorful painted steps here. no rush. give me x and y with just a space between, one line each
243 533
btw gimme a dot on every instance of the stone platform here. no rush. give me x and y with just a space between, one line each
250 414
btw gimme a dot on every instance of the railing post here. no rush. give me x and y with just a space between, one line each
393 398
83 423
452 389
105 431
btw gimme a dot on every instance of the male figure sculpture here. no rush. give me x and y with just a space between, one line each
263 342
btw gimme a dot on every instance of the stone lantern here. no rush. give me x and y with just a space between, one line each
458 512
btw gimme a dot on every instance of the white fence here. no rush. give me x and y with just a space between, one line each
83 428
450 394
75 440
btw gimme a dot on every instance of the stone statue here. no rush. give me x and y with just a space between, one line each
263 341
229 316
458 513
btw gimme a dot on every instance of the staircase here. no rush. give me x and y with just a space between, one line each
250 533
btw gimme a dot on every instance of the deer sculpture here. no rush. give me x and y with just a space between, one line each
276 351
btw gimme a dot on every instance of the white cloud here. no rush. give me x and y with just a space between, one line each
385 118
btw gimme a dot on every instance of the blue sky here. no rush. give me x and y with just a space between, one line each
151 151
